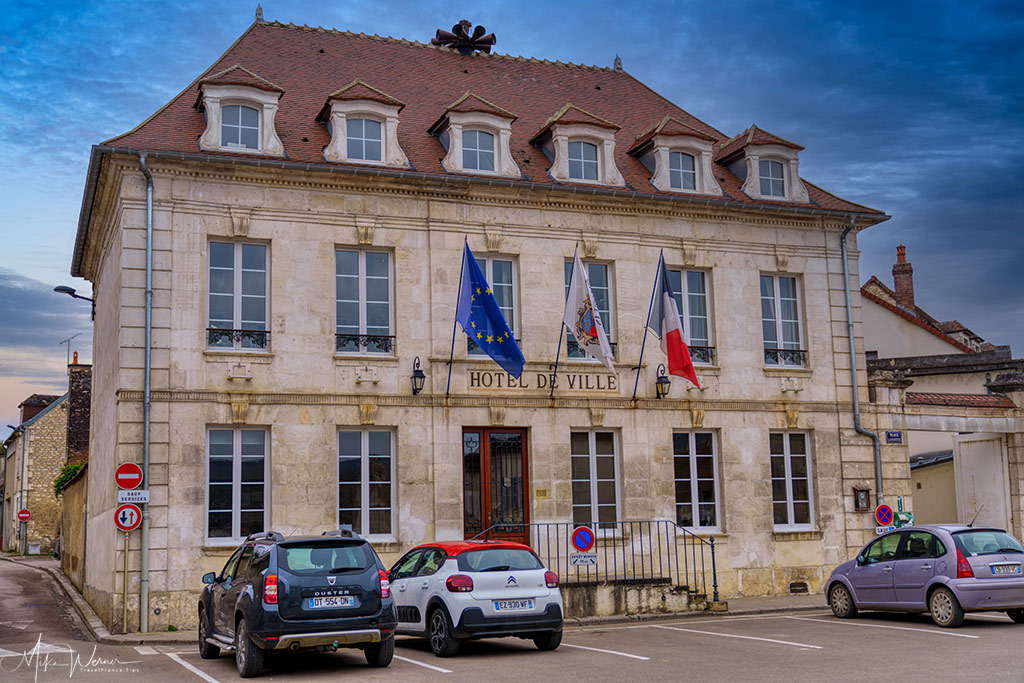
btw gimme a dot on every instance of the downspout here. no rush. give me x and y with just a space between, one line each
144 570
880 497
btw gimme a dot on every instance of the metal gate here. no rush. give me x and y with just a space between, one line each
495 482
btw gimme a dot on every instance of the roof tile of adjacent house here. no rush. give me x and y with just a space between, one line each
308 63
960 400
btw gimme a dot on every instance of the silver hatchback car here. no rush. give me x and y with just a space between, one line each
943 569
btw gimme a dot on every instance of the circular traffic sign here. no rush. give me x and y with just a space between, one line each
582 538
24 515
884 515
127 517
128 476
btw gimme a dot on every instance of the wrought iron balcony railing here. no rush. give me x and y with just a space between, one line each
702 355
785 357
237 339
575 351
364 343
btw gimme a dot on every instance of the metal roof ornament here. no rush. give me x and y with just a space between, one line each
462 40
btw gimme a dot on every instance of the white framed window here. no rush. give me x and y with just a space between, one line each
583 160
695 462
364 139
682 171
237 469
477 150
363 296
501 274
240 126
238 296
600 275
366 474
595 475
690 290
792 499
773 179
780 321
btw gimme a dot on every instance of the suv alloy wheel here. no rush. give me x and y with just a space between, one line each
248 656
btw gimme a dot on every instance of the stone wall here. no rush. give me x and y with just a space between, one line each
46 453
74 542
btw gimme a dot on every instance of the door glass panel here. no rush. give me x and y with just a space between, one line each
471 483
494 484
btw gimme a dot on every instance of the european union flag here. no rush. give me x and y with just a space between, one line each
481 319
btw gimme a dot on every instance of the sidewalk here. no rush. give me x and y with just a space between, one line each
733 607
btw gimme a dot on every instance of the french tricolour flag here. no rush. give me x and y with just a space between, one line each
664 322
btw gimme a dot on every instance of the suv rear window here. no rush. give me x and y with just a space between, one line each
498 560
986 542
317 557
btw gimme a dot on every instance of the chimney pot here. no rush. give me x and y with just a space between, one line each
75 361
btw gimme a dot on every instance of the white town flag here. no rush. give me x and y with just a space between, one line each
582 317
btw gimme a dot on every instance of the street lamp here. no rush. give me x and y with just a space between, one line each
418 378
663 384
70 291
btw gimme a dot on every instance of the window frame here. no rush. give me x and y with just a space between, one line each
242 104
592 479
694 503
787 455
486 262
236 484
493 150
683 302
237 295
797 352
364 349
673 154
608 319
771 179
364 481
584 162
359 116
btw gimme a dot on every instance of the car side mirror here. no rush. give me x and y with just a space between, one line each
209 577
860 560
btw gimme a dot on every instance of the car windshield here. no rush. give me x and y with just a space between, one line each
498 560
986 542
318 557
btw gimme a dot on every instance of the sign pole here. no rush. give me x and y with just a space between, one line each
124 589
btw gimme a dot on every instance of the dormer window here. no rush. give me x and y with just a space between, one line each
240 127
773 180
364 141
681 171
582 160
477 150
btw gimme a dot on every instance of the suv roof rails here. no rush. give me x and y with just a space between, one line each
267 535
343 533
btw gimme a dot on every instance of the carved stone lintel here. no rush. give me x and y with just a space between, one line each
364 228
697 417
497 416
689 253
239 411
494 238
241 371
781 259
367 413
792 418
589 248
596 417
240 221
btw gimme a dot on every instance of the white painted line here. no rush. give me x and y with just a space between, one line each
42 648
425 666
145 650
989 616
8 653
732 635
711 620
206 677
609 652
837 622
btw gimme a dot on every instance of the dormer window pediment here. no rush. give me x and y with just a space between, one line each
476 135
679 158
581 147
768 165
240 109
363 122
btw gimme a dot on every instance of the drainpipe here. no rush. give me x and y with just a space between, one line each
879 496
144 570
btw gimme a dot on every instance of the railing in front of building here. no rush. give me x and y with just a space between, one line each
702 355
785 357
574 350
232 339
642 552
363 343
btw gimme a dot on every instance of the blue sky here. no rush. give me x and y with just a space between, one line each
911 107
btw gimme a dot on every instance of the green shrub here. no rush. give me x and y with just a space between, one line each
67 473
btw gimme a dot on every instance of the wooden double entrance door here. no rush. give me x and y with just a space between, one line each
495 483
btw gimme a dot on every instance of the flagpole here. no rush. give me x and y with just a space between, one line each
458 302
639 364
561 327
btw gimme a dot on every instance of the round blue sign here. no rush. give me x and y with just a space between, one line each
582 538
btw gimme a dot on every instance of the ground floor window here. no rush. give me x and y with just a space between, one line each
791 481
236 482
595 473
696 479
365 480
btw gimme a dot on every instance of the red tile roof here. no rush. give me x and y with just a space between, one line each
921 319
311 63
239 75
669 127
961 400
470 103
753 136
357 90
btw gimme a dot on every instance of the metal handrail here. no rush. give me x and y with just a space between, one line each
656 552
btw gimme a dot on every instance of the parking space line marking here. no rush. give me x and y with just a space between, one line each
206 677
733 635
895 628
424 665
145 650
598 649
989 616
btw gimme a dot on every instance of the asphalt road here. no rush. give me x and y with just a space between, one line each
41 641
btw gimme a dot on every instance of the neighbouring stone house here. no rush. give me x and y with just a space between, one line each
74 503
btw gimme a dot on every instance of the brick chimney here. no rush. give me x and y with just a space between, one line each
903 279
79 405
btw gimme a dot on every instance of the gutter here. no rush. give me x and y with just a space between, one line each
144 569
876 443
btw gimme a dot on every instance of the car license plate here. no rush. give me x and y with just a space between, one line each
512 605
332 601
1006 569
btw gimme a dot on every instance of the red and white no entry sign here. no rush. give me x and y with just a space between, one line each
128 476
127 517
24 515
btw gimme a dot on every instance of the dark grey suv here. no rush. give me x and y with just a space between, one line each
303 592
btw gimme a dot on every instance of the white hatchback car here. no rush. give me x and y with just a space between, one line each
460 590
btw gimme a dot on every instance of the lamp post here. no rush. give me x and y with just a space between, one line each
70 291
418 378
663 384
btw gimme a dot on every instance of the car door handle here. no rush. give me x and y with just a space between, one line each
926 566
401 587
886 569
425 585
